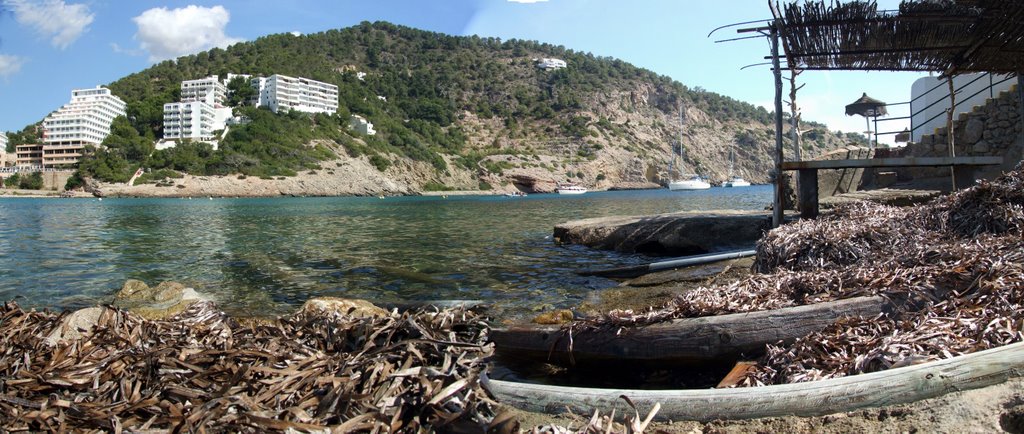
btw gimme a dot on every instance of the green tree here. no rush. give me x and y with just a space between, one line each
34 181
12 181
240 91
126 139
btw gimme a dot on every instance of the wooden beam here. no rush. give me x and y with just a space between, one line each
814 398
861 163
685 340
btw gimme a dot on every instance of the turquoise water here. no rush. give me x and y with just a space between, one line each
267 256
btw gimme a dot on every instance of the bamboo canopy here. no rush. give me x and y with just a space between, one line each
948 36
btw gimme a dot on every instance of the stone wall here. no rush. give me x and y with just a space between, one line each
992 129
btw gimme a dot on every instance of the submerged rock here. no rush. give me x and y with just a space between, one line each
563 316
160 302
344 306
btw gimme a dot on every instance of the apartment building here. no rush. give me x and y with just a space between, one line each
200 112
85 120
194 120
209 90
6 159
361 125
29 154
283 93
549 64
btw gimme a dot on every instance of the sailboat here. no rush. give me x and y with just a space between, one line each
734 180
684 182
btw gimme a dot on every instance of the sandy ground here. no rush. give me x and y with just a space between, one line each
998 408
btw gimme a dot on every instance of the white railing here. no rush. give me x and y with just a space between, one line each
32 169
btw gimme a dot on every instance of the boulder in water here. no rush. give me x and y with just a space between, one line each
160 302
342 306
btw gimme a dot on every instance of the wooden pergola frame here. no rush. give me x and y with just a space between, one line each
950 37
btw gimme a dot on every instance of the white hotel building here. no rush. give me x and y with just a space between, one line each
83 121
200 112
283 93
209 90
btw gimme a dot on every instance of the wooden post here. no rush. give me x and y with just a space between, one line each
779 181
1020 107
963 176
949 128
808 193
794 118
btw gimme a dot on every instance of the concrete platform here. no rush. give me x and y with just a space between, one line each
675 234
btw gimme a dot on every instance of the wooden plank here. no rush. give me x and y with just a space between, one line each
736 374
808 193
815 398
892 162
686 340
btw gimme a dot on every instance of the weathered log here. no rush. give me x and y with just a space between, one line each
686 340
815 398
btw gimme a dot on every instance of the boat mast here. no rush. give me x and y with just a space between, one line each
682 162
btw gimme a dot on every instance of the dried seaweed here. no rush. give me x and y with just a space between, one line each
202 371
956 265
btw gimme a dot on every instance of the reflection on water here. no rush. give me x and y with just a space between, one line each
266 256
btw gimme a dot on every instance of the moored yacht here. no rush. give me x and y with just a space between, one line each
736 181
570 189
693 183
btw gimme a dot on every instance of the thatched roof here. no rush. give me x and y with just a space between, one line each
948 36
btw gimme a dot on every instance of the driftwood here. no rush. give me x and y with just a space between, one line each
816 398
681 340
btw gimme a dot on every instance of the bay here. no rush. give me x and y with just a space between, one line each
266 256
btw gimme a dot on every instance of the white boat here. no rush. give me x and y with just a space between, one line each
736 182
684 182
570 189
694 183
516 194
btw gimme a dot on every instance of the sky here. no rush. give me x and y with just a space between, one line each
49 47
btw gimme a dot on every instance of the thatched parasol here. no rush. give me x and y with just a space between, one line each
869 108
866 106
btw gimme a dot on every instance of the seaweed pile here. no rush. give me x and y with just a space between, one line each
954 270
204 372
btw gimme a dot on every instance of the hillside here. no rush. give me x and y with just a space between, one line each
452 113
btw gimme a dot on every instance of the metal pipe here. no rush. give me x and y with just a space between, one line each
640 270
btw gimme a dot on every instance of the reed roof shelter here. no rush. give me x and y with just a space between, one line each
946 36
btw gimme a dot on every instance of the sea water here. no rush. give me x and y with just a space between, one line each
267 256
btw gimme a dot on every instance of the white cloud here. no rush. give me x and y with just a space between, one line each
527 1
10 65
121 50
60 21
169 33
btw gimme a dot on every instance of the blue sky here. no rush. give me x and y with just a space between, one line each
48 47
